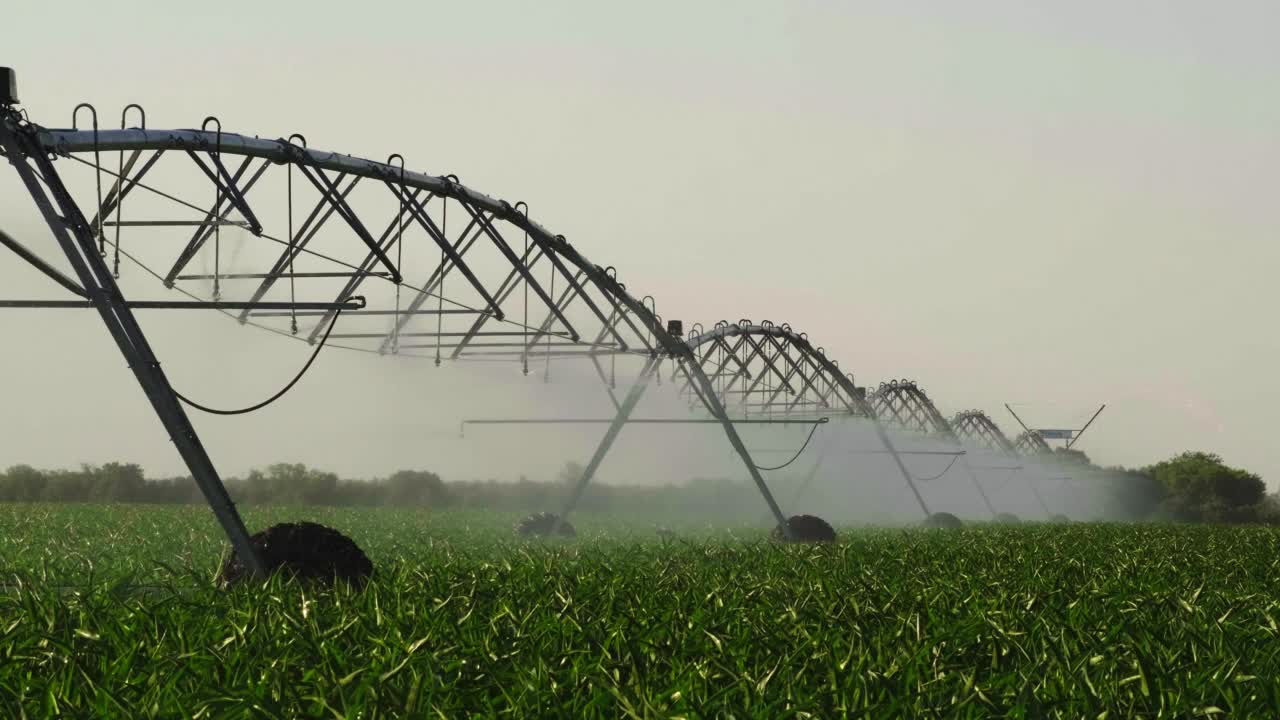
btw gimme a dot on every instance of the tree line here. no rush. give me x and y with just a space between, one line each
1190 487
297 484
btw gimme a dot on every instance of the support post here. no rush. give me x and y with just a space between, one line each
810 475
964 460
1039 498
624 412
712 401
75 237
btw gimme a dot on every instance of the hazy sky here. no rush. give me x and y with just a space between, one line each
1051 204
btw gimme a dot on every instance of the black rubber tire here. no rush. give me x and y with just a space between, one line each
805 529
306 551
943 521
540 525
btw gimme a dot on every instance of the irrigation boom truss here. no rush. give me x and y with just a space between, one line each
590 315
978 428
905 404
327 248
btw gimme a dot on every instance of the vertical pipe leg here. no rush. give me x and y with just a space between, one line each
809 476
712 401
964 460
902 468
75 238
610 435
1039 498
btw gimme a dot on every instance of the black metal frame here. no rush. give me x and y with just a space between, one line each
629 328
904 404
977 427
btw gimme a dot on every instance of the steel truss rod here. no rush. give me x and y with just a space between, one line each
508 286
175 223
262 276
826 368
228 187
632 421
69 142
713 405
608 386
446 311
834 386
718 411
466 240
567 296
329 190
492 333
418 212
319 215
178 305
907 400
518 264
215 216
383 245
976 424
615 426
314 164
122 186
1080 432
757 351
35 260
452 346
75 236
948 453
806 378
630 352
778 352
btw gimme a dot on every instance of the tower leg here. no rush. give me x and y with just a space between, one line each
902 468
713 404
974 477
75 238
624 413
1039 498
809 476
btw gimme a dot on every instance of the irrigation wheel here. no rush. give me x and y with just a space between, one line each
805 529
305 550
541 525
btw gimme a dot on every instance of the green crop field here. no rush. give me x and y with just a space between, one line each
112 612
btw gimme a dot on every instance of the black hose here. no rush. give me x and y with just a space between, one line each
278 395
799 452
944 470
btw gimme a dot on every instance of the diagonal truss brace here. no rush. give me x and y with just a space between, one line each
75 237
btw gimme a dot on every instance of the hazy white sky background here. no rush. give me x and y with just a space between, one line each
1050 204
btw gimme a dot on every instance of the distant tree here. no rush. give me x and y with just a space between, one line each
1200 486
1200 476
415 487
1071 456
68 485
1134 493
22 483
117 482
571 473
281 484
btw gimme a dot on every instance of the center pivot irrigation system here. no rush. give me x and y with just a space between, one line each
409 264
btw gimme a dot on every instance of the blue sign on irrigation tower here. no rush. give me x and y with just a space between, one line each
1057 434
